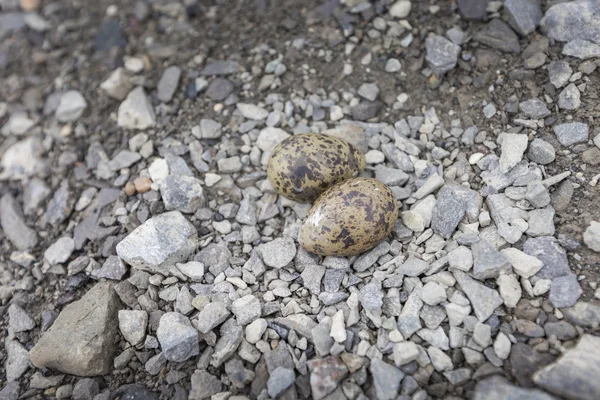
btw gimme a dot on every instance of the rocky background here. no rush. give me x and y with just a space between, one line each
144 254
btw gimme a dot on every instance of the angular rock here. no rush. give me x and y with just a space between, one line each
82 339
498 388
386 379
118 84
497 35
182 193
219 67
570 97
279 380
17 362
565 291
541 222
442 54
231 336
523 264
534 108
211 316
453 203
488 262
168 83
252 111
14 226
513 148
582 49
246 309
278 253
567 21
523 15
136 111
575 374
71 106
473 9
483 299
571 133
159 242
312 276
559 71
18 320
591 236
325 375
132 324
204 385
178 338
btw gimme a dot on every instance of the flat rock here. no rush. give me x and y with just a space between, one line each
159 242
168 83
14 226
541 152
584 314
498 388
513 148
22 159
497 35
534 108
386 379
82 339
219 67
278 253
136 111
582 49
18 320
571 133
483 299
204 385
547 250
252 111
575 374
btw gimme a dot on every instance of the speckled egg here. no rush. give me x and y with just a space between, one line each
302 167
350 218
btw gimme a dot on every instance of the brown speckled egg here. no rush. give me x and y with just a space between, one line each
350 218
303 166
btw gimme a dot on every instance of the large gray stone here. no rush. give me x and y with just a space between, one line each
82 339
575 374
386 379
567 21
571 133
498 388
582 49
178 338
523 15
547 249
159 242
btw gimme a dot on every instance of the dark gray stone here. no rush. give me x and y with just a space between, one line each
565 291
488 262
547 250
523 15
221 68
473 9
219 89
496 34
366 110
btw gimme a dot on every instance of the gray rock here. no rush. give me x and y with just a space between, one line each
219 67
541 152
34 194
498 388
204 385
369 91
584 314
483 299
564 22
22 159
252 111
473 9
523 15
435 337
386 379
541 222
537 194
159 242
60 251
571 133
570 97
325 376
18 320
390 176
178 338
216 258
409 321
591 236
86 389
208 129
553 256
488 262
453 203
246 309
413 266
366 260
366 110
82 339
247 212
279 380
219 89
132 324
14 226
582 49
371 296
17 361
118 84
60 205
136 111
10 391
559 71
113 268
322 339
513 148
71 106
168 83
561 197
497 35
561 329
231 337
534 108
182 193
565 291
575 374
278 253
312 276
211 316
442 54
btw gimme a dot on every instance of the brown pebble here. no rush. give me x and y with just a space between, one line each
30 5
129 189
142 184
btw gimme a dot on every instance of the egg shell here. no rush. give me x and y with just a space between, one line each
349 218
303 166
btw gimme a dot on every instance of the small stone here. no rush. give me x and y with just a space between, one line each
312 276
523 15
565 291
178 339
211 316
19 321
325 376
392 65
488 262
591 156
246 309
405 352
71 106
510 290
523 264
541 222
193 270
433 293
85 389
496 34
113 268
473 9
182 193
252 111
136 111
386 379
159 242
60 251
440 361
219 89
366 110
14 226
582 49
369 91
132 324
537 60
560 72
571 133
461 258
118 84
168 83
534 108
591 236
483 299
400 9
221 67
278 253
489 110
279 380
497 387
17 362
513 147
442 54
541 152
570 98
255 330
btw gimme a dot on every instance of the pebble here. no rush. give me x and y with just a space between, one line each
392 65
541 152
167 85
252 111
278 253
136 111
442 54
513 148
117 85
565 291
71 106
534 108
14 226
570 98
400 9
369 91
178 339
60 251
182 193
132 324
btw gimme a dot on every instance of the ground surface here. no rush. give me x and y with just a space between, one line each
327 51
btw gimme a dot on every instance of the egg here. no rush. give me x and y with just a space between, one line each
349 218
302 167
